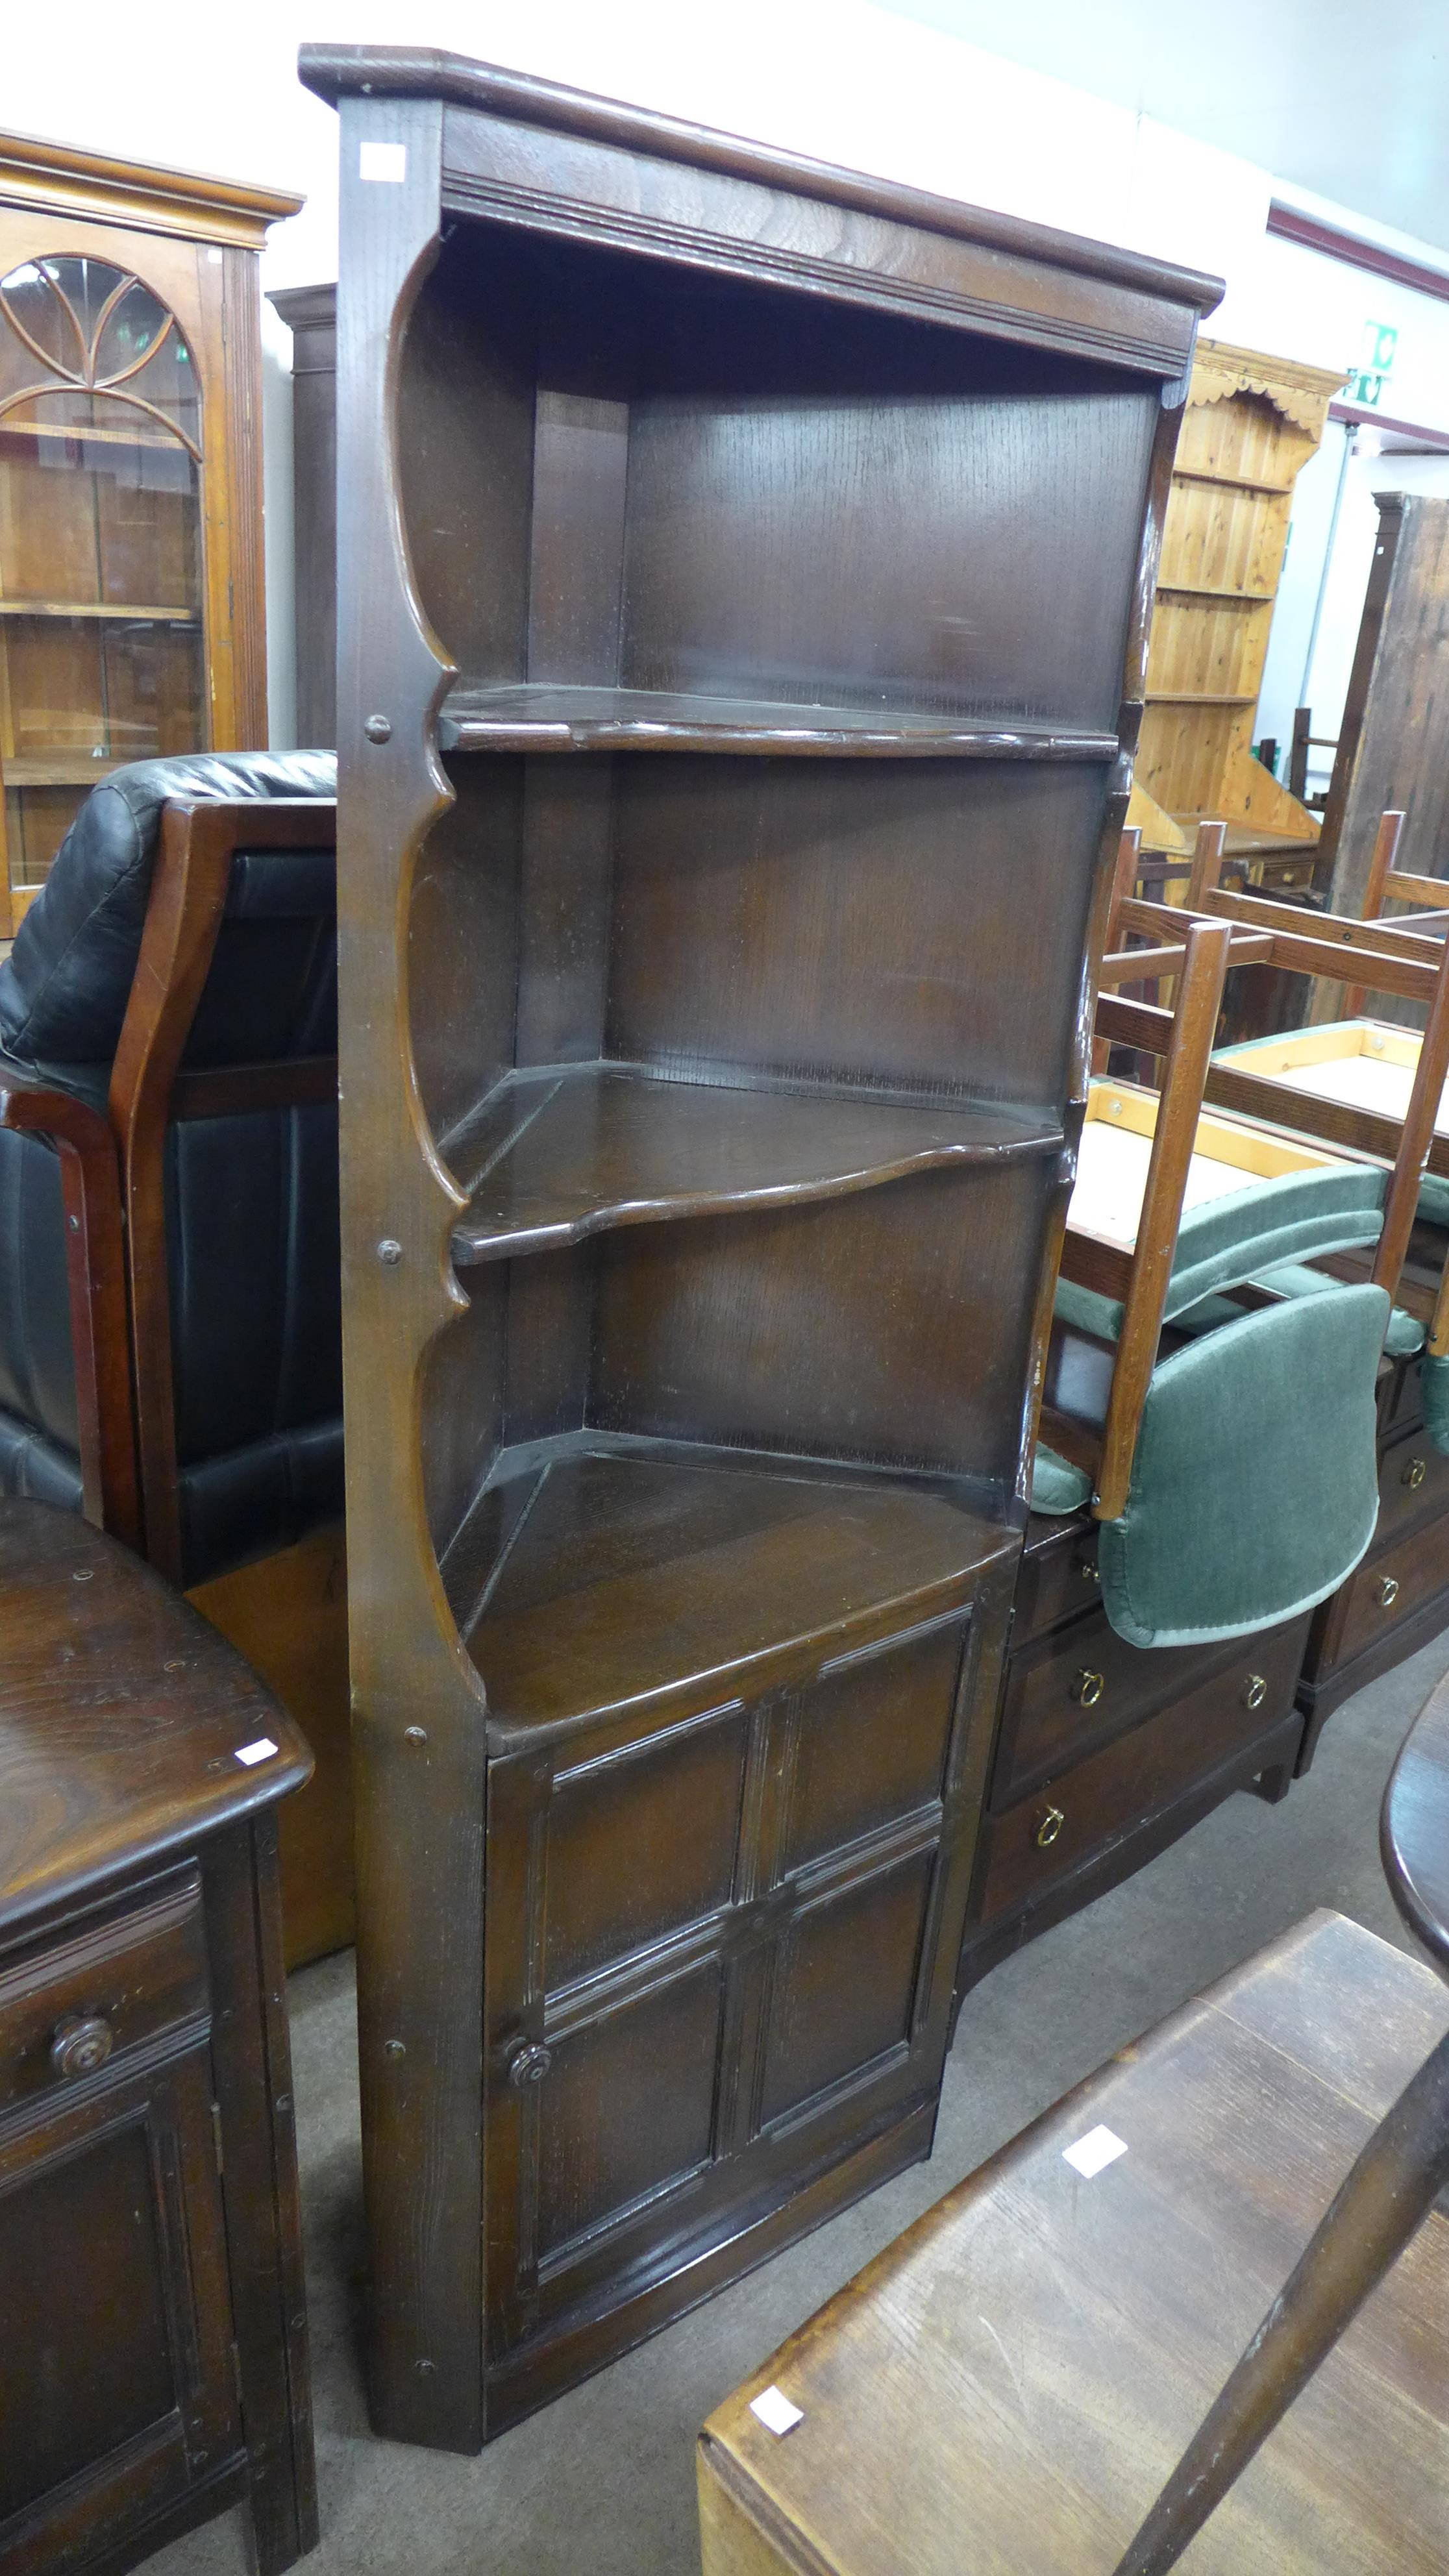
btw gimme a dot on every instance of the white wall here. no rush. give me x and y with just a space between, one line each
838 79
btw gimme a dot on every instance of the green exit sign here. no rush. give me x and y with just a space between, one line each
1374 364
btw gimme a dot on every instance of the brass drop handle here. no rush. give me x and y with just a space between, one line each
1049 1828
1414 1474
82 2043
1255 1691
529 2065
1089 1571
1388 1592
1088 1687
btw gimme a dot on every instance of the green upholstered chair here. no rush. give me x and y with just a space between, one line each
1218 1416
1254 1479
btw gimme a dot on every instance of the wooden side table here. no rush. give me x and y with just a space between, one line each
153 2331
1003 2391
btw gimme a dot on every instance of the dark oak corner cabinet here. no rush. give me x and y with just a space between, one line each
744 572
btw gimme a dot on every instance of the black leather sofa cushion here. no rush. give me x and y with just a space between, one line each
65 986
259 1498
37 1363
35 1469
256 1301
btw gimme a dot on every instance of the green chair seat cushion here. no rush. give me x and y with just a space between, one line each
1056 1486
1295 1279
1254 1486
1226 1240
1264 1228
1434 1199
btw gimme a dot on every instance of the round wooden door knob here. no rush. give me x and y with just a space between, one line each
1088 1687
529 2065
1049 1828
1388 1592
81 2044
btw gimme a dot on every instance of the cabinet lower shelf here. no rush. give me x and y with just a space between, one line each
592 1574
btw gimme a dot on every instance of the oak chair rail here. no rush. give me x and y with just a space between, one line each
148 1090
1141 1278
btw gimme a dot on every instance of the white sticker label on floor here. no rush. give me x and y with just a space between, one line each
261 1751
1093 2153
387 161
775 2411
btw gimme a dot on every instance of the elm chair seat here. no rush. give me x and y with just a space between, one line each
1254 1487
251 1198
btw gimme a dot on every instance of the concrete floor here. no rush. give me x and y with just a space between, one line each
604 2479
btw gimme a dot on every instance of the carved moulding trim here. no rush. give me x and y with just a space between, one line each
772 264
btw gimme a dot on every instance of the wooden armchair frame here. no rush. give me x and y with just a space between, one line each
1405 962
149 1092
113 1168
1139 1278
1196 948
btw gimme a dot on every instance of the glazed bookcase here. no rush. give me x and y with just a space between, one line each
739 567
132 618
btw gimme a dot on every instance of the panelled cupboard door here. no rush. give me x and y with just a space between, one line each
702 1944
117 2395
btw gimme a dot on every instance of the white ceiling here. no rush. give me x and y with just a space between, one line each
1341 97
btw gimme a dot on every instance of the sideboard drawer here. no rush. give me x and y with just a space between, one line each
1079 1687
118 1978
1094 1803
1058 1576
1394 1584
1413 1485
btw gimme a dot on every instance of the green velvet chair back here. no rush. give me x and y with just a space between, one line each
1255 1478
1254 1486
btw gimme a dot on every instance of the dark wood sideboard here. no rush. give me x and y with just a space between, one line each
153 2328
743 579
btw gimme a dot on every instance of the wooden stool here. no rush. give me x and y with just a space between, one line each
153 2331
1005 2389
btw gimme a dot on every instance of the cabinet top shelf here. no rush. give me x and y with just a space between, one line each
573 1150
539 717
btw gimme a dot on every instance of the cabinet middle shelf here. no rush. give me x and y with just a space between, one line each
534 716
564 1152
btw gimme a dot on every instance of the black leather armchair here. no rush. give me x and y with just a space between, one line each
171 1000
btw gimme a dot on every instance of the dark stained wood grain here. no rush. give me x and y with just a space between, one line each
542 718
145 2092
1377 2211
81 1615
566 1154
632 1579
684 1496
1025 2427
